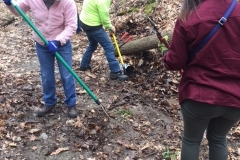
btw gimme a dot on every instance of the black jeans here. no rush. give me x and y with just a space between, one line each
217 120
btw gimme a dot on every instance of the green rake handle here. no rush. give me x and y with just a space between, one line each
56 54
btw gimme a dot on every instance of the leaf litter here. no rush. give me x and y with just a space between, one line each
145 115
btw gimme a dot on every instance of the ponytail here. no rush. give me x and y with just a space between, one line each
188 7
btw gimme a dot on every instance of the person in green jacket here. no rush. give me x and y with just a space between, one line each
93 17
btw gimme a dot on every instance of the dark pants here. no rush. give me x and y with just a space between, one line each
217 120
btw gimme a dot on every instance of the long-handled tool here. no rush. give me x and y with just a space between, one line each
127 69
59 57
160 37
125 38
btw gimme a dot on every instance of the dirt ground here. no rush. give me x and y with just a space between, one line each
145 116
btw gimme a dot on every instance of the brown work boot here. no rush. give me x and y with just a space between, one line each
72 112
44 110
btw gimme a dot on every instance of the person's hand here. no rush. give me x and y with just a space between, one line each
162 48
7 2
113 30
52 46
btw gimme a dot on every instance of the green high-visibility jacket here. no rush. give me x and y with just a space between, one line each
96 13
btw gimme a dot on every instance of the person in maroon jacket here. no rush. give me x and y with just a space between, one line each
209 90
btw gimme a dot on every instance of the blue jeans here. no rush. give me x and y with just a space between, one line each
47 62
217 120
100 36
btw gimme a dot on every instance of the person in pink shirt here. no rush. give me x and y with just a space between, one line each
57 21
209 88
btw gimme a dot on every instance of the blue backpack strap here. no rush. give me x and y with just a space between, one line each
221 22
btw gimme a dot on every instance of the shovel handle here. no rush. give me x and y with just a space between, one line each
117 47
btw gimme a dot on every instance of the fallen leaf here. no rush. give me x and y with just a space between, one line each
140 62
34 148
129 146
59 150
82 92
70 122
22 125
34 130
145 146
78 123
12 144
33 138
90 75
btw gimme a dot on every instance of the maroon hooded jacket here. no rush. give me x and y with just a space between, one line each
213 75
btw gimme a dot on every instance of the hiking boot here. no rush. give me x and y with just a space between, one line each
85 68
114 75
118 75
72 112
45 110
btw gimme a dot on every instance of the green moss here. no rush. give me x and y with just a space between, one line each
148 8
125 113
132 10
128 11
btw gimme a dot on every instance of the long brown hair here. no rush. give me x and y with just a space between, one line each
187 7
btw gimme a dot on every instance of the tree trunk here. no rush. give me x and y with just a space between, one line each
139 45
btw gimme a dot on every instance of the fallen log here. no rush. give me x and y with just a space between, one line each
139 45
142 44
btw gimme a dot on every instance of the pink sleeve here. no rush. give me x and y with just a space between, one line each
70 22
23 5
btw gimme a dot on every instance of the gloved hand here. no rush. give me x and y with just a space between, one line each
52 46
113 30
7 2
162 48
